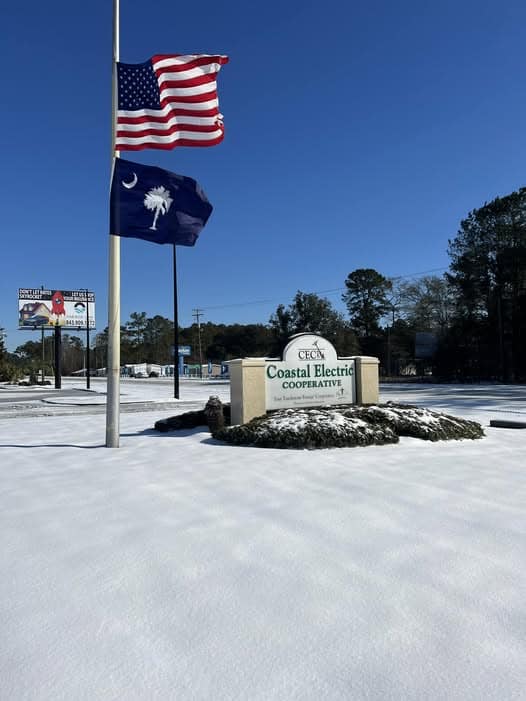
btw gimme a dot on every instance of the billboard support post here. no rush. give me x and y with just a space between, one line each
42 373
87 341
43 357
58 356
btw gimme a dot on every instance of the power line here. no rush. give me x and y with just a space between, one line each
239 304
422 272
197 313
334 290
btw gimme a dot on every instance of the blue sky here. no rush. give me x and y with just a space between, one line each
357 135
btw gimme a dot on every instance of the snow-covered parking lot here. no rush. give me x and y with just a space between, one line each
175 567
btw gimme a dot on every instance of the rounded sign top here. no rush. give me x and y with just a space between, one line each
308 347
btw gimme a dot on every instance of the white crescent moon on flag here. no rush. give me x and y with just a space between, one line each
133 183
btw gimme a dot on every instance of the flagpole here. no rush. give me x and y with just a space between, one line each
114 278
176 330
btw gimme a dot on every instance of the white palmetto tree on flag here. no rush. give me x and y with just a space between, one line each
157 199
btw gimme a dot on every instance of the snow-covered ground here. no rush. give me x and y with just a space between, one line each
178 568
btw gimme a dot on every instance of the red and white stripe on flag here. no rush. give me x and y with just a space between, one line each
169 101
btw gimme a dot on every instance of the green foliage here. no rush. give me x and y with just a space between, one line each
134 337
237 341
367 300
31 350
190 419
417 422
306 429
427 304
158 340
9 372
488 274
313 314
347 426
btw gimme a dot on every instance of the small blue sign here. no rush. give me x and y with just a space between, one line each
183 350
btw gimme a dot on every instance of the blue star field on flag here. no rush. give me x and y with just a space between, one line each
138 86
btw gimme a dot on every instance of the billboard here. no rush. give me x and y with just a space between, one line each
45 309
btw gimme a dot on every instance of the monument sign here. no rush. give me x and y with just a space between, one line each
310 374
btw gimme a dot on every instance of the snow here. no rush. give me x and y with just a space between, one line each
176 567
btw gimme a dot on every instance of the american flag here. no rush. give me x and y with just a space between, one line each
170 100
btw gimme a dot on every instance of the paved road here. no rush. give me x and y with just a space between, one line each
490 399
38 395
33 404
29 411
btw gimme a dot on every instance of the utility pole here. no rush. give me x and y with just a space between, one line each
390 330
392 302
198 313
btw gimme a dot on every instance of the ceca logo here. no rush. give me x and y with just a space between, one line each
312 353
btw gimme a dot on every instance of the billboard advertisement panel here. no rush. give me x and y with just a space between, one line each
45 309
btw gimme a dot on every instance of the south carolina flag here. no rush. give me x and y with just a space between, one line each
156 205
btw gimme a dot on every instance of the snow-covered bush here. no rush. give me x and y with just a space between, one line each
347 426
190 419
307 428
419 422
329 427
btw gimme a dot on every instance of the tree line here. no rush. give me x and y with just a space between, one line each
472 318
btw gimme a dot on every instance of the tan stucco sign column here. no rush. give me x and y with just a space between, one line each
247 389
366 377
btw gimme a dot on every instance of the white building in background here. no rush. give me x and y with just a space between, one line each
210 371
146 370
